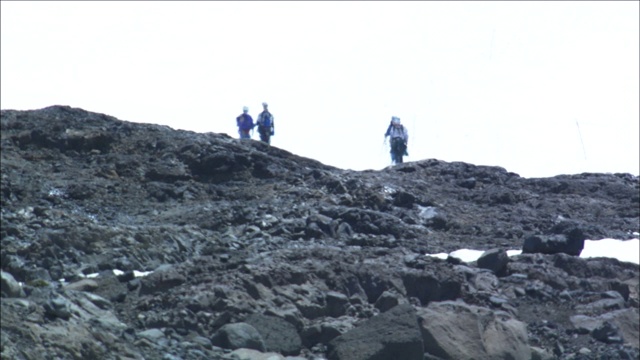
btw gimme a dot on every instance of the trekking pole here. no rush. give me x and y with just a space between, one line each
384 146
413 131
413 127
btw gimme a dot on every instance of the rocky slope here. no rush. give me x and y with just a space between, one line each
208 247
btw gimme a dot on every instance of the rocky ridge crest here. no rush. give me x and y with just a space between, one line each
251 252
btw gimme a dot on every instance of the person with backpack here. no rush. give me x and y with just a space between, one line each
265 123
399 138
245 124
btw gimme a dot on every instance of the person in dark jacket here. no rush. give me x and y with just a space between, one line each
245 124
266 127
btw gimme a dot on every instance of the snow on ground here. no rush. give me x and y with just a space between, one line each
623 250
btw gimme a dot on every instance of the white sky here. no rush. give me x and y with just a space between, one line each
539 88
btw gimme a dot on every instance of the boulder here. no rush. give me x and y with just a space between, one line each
162 279
9 287
564 237
495 260
625 323
455 330
386 301
278 334
82 285
249 354
238 335
553 244
337 303
391 335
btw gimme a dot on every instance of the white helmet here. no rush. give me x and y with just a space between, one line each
395 120
245 108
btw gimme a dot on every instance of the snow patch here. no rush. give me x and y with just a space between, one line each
136 273
514 252
427 212
388 190
623 250
442 256
467 255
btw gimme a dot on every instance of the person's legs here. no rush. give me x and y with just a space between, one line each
264 135
394 149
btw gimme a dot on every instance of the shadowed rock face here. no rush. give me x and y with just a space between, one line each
250 244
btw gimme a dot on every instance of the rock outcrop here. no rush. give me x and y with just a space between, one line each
136 241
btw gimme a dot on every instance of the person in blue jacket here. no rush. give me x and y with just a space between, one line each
245 124
265 123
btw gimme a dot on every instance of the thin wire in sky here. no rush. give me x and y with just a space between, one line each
582 142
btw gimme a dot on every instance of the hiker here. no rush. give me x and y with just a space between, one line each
245 124
399 138
265 124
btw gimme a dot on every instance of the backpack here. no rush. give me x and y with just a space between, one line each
390 128
265 119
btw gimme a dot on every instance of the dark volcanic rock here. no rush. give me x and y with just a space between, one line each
565 238
9 286
391 335
459 331
279 335
136 241
238 336
495 260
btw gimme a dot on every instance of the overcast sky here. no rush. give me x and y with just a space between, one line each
539 88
